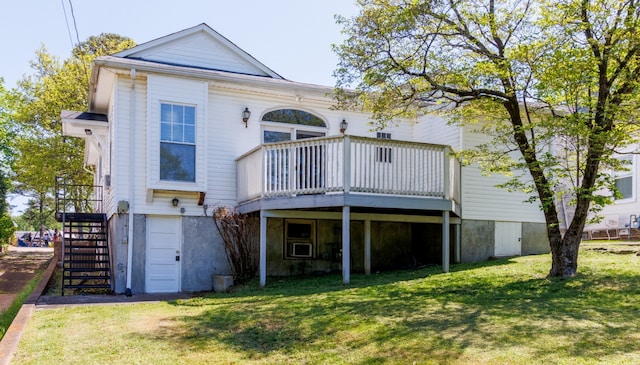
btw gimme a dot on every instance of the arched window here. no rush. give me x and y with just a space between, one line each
296 124
294 116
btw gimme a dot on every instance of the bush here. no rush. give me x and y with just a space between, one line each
7 229
239 234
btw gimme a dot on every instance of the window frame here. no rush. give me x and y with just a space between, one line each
629 174
179 141
289 241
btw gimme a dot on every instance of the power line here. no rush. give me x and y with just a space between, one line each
66 20
73 16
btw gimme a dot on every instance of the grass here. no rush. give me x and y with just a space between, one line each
7 316
499 312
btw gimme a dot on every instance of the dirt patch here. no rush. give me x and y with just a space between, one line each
617 248
20 266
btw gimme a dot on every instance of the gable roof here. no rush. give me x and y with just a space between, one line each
199 47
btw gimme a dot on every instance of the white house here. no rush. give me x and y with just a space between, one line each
622 218
190 121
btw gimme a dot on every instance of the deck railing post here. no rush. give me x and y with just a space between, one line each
446 172
346 168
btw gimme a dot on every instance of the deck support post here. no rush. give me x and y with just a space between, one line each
346 238
367 246
445 241
263 249
457 258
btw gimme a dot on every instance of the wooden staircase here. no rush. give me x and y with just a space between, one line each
86 262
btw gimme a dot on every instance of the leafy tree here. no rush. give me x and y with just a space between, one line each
42 152
7 228
7 129
543 77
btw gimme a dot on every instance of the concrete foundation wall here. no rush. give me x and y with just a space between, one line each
534 239
118 249
203 254
477 240
393 245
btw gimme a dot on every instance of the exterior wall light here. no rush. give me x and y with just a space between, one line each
175 202
246 114
343 126
88 132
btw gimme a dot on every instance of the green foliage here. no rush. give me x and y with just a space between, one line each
42 153
553 83
7 129
7 227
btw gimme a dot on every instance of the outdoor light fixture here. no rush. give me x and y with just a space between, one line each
343 126
175 202
88 132
245 116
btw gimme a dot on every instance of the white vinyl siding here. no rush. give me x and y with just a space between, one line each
164 90
201 51
434 129
482 200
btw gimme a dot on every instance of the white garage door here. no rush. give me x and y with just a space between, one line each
163 255
508 237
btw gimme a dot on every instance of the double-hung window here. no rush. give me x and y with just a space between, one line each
177 142
624 178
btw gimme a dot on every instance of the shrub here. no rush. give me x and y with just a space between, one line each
239 234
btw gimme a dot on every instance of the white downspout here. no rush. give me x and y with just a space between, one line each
132 169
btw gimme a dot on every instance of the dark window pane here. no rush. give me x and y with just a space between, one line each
293 116
177 162
271 136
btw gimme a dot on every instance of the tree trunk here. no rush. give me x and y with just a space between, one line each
564 254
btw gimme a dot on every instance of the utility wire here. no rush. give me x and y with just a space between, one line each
66 20
73 16
75 26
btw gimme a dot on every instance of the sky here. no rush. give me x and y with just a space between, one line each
292 37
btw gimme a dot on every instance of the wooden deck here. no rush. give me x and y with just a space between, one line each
348 170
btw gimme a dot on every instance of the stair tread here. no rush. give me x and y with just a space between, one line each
93 277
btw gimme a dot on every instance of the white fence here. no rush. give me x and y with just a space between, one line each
348 164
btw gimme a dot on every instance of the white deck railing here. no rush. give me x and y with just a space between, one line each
370 165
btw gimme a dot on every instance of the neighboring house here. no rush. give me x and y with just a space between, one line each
170 137
622 218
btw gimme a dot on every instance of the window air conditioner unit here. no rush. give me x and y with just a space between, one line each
302 249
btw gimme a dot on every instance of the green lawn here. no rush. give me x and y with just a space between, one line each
499 312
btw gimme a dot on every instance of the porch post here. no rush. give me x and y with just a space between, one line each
263 249
346 238
457 258
445 241
367 246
